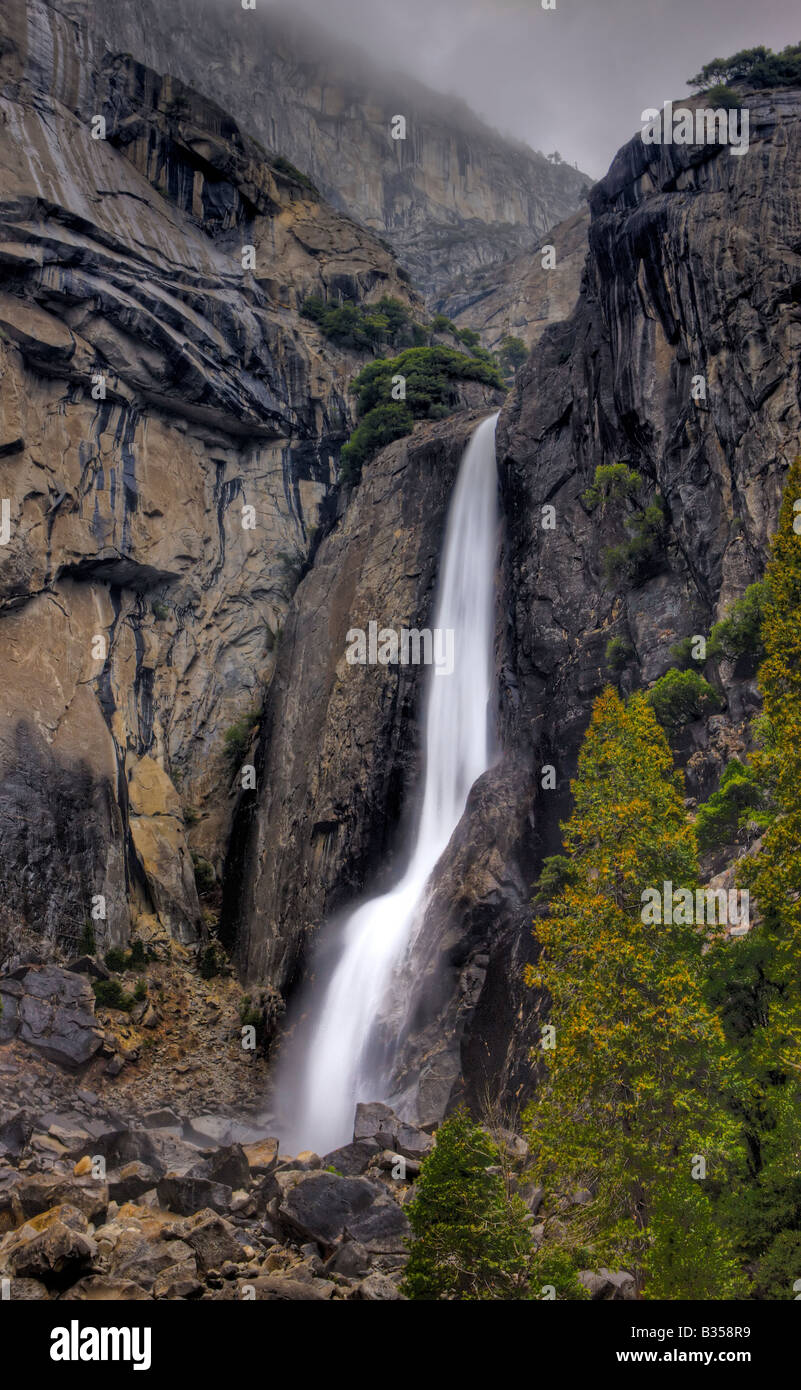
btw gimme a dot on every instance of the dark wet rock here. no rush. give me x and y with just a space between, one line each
185 1195
352 1159
228 1165
323 1208
39 1192
211 1238
56 1257
127 1183
51 1010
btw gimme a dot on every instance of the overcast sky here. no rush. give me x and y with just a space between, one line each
575 78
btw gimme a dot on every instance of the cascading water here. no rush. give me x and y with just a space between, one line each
340 1064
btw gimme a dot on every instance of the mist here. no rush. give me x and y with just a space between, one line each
575 79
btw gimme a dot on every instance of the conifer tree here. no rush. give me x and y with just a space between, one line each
471 1239
757 982
631 1100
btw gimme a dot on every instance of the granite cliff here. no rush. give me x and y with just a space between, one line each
451 197
169 428
155 388
693 272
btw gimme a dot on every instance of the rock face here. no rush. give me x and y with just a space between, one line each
338 754
169 427
693 271
453 196
520 297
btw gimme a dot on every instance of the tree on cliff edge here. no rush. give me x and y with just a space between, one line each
631 1100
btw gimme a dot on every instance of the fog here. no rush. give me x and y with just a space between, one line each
573 79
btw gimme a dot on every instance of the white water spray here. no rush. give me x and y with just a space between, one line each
340 1067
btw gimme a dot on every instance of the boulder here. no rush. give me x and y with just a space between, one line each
283 1289
350 1260
53 1011
608 1285
323 1207
178 1281
228 1165
98 1288
56 1257
128 1183
16 1131
261 1156
377 1288
39 1192
186 1195
161 1119
371 1118
212 1239
209 1129
378 1122
138 1257
352 1159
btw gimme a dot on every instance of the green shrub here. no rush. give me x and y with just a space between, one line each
137 955
721 95
160 610
557 1268
779 1270
634 560
212 961
87 944
205 877
470 1240
432 376
140 992
558 870
613 482
731 806
379 427
740 633
111 995
236 739
753 67
363 327
679 697
682 654
115 958
618 653
512 354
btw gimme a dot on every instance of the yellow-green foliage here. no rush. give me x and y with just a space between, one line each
632 1085
774 875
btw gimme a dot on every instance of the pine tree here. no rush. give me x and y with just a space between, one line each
631 1098
757 982
471 1239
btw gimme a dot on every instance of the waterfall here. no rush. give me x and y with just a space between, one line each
340 1065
